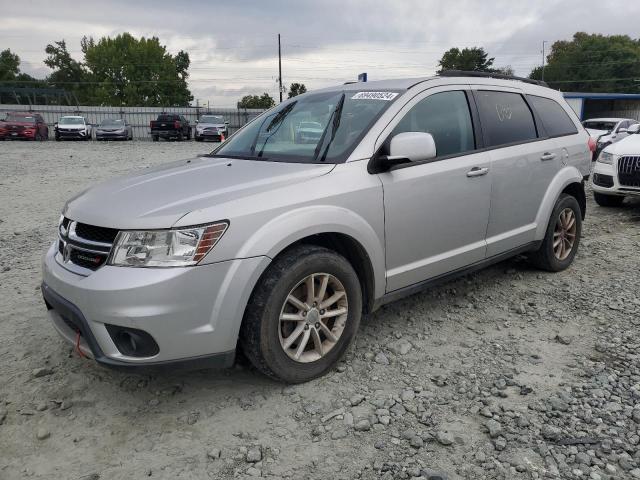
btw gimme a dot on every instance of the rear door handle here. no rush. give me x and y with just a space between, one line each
477 172
547 156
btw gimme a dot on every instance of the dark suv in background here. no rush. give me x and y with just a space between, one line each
169 125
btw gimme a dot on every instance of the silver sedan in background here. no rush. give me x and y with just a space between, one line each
114 129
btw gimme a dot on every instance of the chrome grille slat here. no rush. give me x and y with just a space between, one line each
629 171
80 254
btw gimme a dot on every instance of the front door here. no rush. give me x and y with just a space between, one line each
436 212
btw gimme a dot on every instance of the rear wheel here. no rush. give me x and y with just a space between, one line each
562 238
154 138
608 200
303 314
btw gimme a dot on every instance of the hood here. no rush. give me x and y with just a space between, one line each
72 127
159 197
627 146
596 133
108 128
17 124
210 125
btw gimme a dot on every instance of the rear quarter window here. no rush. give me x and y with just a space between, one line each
505 117
554 118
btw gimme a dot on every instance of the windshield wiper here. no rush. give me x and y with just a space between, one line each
276 120
334 121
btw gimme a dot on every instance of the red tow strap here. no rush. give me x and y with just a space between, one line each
82 355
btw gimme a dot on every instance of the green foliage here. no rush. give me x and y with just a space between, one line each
9 65
593 63
468 59
255 101
121 71
297 89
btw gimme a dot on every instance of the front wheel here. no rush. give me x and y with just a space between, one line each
302 315
562 238
608 200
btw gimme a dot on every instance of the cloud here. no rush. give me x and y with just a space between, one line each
233 45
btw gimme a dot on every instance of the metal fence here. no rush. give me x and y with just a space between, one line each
138 117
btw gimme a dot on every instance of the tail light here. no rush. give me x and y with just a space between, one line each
592 144
151 124
176 124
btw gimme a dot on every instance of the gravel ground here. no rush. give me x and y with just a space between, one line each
509 373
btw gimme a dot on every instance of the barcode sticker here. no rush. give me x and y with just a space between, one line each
386 96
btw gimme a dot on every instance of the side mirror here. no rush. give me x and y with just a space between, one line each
633 129
622 130
404 148
197 121
226 122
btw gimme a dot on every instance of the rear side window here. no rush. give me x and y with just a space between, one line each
446 117
554 118
168 118
506 118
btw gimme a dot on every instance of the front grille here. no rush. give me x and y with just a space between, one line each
600 180
85 246
629 171
96 234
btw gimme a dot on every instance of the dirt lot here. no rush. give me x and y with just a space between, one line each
508 373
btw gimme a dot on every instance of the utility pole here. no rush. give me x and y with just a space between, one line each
279 68
543 58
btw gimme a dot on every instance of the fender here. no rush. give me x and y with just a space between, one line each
292 226
564 177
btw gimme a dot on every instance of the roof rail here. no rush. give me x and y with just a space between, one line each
463 73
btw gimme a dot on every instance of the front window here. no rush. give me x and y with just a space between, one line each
20 118
315 128
71 121
599 125
112 122
211 119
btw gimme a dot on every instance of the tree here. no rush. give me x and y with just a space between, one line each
128 71
297 89
593 63
468 59
68 73
254 101
508 70
9 65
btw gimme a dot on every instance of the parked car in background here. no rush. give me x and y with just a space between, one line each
616 173
278 248
308 132
72 127
211 127
607 131
170 126
24 126
114 129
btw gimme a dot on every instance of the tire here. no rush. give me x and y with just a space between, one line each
180 137
154 138
189 134
261 333
546 257
198 139
608 200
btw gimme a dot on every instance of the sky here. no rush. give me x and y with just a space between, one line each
233 44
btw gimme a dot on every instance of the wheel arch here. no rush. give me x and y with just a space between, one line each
568 180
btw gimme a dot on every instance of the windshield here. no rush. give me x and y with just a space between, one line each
112 122
211 119
314 128
599 125
20 118
71 121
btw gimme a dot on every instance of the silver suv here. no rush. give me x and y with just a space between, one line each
277 244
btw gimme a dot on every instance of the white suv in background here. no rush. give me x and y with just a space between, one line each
616 173
607 131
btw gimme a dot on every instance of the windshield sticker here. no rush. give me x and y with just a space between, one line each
386 96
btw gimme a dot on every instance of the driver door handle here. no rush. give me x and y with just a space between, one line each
547 156
477 172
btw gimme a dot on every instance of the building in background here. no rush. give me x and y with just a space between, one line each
600 105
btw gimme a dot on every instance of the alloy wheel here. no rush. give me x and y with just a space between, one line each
564 235
313 317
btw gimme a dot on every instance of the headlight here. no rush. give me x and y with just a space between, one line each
165 248
606 157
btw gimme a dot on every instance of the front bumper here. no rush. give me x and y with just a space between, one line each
73 134
21 135
111 136
192 313
604 179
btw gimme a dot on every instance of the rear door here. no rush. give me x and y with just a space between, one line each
436 212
